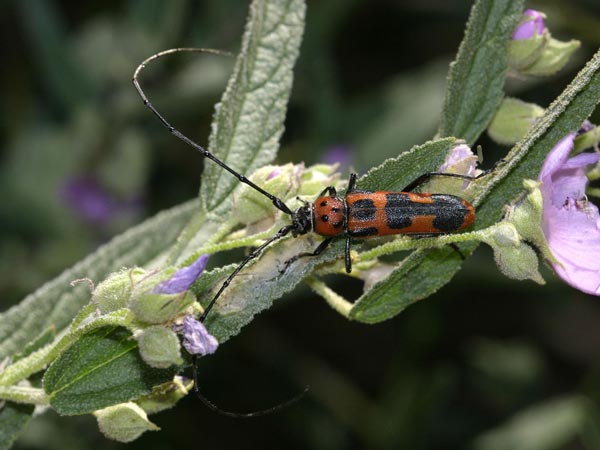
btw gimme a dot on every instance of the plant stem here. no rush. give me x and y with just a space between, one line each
24 394
336 301
408 243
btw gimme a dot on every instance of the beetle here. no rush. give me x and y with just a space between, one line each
356 214
364 214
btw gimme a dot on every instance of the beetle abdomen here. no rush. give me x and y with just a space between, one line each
384 213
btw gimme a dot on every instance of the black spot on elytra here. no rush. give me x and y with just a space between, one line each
325 218
398 211
448 211
363 210
363 232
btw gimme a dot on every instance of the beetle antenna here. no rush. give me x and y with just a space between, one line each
277 202
261 412
281 233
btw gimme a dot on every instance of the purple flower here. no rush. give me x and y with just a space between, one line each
461 160
183 278
196 338
338 154
91 201
531 25
274 173
460 157
570 223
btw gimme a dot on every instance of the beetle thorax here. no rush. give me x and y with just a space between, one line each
330 215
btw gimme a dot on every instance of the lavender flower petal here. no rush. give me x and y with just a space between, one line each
196 338
338 154
462 159
89 199
570 223
183 278
93 202
528 29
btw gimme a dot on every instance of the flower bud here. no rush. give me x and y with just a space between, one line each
114 292
196 338
164 295
281 181
518 263
316 177
514 258
554 57
159 347
531 25
166 395
124 422
460 160
512 120
159 308
533 51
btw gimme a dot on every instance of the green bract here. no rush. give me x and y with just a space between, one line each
115 292
159 308
159 347
124 423
166 395
513 120
554 55
524 52
515 258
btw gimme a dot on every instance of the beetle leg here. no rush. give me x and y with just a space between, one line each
317 251
329 190
348 258
426 176
351 182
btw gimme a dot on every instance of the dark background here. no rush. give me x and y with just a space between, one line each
457 370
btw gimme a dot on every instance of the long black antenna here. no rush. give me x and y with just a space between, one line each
281 233
237 415
279 204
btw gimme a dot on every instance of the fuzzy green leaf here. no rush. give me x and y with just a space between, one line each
476 77
255 289
249 119
396 173
13 420
101 369
57 302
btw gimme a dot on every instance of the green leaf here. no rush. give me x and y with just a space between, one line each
13 420
45 338
57 302
424 272
476 77
418 276
397 173
101 369
257 286
249 119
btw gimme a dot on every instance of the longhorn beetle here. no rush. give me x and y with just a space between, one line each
356 214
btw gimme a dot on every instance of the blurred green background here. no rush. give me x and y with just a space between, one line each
487 363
